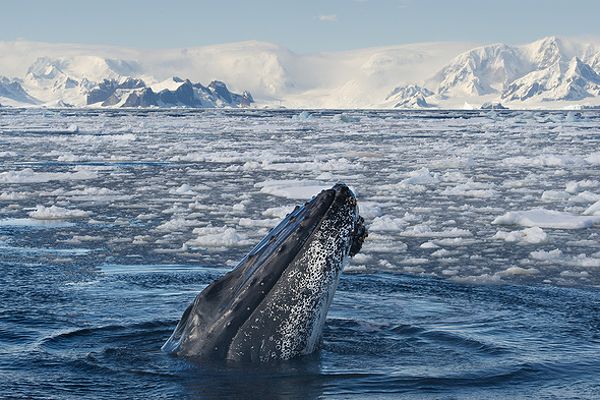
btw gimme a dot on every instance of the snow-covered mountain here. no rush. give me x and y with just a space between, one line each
12 92
174 92
548 73
69 79
409 96
82 81
481 71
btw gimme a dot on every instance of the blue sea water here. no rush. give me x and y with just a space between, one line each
91 289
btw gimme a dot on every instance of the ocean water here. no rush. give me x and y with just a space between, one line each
112 221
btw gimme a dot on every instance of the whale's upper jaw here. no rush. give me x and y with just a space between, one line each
219 312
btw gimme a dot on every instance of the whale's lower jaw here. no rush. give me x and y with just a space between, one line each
273 305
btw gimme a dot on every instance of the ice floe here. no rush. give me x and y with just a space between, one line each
513 271
390 223
544 218
533 235
471 189
546 160
218 237
421 177
426 231
594 209
28 175
54 212
578 186
261 223
12 196
292 189
177 224
302 116
347 118
184 189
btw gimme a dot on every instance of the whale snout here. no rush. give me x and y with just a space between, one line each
341 196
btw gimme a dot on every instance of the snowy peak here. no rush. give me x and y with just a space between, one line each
409 96
549 69
172 83
68 79
594 62
174 92
570 81
546 52
579 69
107 88
481 71
78 68
579 81
11 92
106 82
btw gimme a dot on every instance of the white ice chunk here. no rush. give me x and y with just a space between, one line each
454 241
176 224
292 189
514 271
574 274
594 209
421 177
239 207
585 197
277 212
218 237
578 186
54 212
347 118
11 196
543 218
28 175
533 235
593 158
426 231
303 116
184 189
261 223
546 160
369 210
390 223
543 255
471 189
554 195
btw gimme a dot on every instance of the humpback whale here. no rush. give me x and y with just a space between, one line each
273 304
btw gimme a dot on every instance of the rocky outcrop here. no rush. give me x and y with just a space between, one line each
135 93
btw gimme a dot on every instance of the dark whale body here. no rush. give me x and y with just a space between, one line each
273 305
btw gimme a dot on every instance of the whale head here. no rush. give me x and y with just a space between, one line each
273 305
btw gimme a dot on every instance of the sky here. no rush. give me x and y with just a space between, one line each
303 26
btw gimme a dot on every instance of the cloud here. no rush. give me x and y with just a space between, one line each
328 18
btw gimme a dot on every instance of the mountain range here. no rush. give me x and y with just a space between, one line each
91 81
548 73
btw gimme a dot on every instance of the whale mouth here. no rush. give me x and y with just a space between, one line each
224 306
